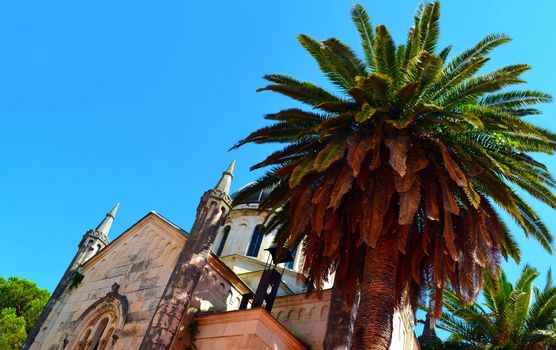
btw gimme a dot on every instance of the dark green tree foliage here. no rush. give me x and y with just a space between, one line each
12 329
516 316
24 297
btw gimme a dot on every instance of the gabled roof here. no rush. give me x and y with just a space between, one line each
177 233
152 216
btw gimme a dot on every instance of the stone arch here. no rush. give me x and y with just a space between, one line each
301 314
160 242
166 249
101 324
324 311
290 315
204 273
312 312
242 222
172 253
280 315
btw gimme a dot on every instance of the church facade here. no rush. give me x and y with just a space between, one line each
110 295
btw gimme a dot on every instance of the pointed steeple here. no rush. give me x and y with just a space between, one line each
93 241
226 180
213 209
104 227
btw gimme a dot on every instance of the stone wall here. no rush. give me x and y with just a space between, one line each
140 262
306 319
253 329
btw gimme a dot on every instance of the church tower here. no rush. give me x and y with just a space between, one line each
95 240
92 242
212 211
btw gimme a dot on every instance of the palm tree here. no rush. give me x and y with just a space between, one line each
391 181
512 317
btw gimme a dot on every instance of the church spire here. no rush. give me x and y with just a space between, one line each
226 180
95 240
212 211
104 227
92 242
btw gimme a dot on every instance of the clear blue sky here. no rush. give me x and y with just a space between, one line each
138 101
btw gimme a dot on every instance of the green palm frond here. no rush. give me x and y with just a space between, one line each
428 18
543 311
513 99
366 34
534 226
384 53
475 87
338 75
512 318
300 90
423 68
480 49
344 58
549 282
445 52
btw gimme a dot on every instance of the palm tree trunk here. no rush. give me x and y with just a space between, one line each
341 317
373 325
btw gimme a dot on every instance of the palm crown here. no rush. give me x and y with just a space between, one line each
518 316
413 145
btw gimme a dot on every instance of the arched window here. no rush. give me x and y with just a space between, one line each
256 240
223 240
99 326
99 332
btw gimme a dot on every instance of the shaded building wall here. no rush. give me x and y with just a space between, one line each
306 319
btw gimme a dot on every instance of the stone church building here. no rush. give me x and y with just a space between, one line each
112 291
